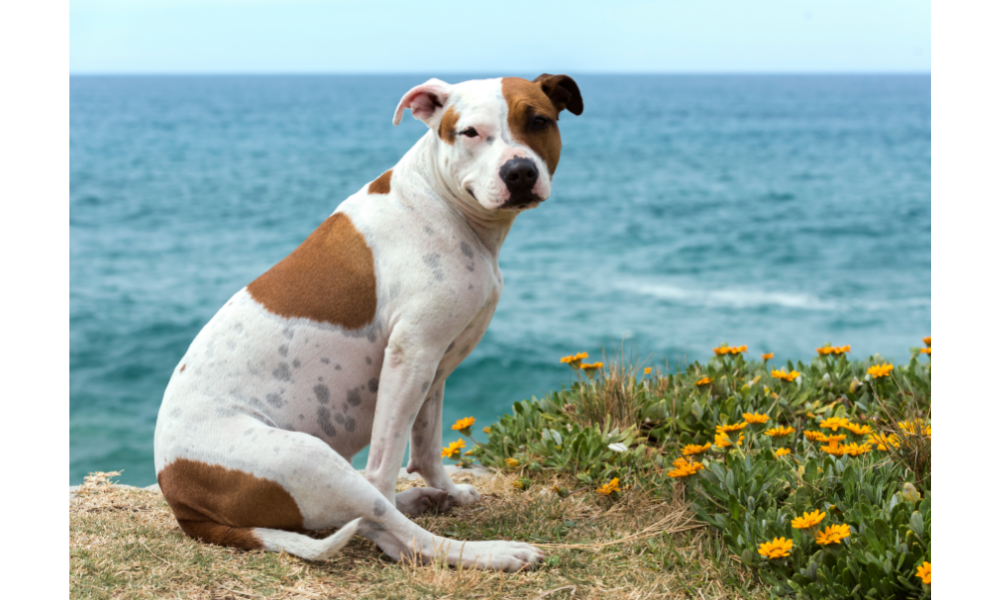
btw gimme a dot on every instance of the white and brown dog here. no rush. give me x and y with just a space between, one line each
349 340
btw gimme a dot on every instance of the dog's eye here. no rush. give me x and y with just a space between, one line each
470 132
539 123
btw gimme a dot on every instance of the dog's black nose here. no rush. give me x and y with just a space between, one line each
520 175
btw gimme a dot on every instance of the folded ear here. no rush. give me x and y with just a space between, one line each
562 91
424 101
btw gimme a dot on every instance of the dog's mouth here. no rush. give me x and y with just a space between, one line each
522 201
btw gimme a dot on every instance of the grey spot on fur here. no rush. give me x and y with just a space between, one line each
296 363
324 421
470 286
274 400
418 440
371 336
283 349
470 267
428 230
325 360
176 412
380 507
302 417
322 394
319 379
337 367
425 386
354 396
450 348
349 425
434 262
288 333
368 360
373 385
339 417
466 249
345 407
282 373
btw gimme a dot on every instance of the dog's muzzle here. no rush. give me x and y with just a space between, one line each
520 176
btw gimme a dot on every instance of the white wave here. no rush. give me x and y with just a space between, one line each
752 298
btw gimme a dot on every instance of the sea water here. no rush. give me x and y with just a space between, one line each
781 212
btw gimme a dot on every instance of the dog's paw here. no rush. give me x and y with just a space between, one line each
466 494
499 555
417 501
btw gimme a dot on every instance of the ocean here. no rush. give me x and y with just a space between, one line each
781 212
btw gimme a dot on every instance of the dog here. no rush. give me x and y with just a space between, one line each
348 341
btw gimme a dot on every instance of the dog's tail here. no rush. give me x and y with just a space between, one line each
303 546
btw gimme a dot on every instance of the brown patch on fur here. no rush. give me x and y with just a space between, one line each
329 278
449 123
220 505
184 366
525 101
381 185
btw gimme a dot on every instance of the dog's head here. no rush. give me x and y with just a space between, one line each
497 140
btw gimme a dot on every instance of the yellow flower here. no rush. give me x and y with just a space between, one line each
776 548
858 429
782 452
755 418
924 570
808 519
834 423
607 488
704 381
824 350
881 441
842 349
926 350
518 484
592 366
767 356
853 449
833 449
465 423
722 440
785 376
927 342
452 449
685 468
738 349
512 462
815 436
692 449
648 370
730 427
911 428
572 360
723 349
832 534
487 429
780 431
877 371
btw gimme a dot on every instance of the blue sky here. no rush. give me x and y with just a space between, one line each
349 36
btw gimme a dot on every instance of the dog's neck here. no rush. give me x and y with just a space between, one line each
420 177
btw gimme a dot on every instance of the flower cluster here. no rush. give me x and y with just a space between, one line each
724 349
608 488
574 359
835 350
453 449
685 468
785 376
877 371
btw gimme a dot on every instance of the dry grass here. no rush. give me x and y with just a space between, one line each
612 398
124 543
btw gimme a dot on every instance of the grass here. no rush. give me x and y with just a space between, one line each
125 543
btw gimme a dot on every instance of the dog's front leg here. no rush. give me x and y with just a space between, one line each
406 378
425 453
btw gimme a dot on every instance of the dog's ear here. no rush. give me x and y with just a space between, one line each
424 101
562 91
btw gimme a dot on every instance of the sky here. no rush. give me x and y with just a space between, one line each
625 36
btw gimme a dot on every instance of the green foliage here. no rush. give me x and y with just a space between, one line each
744 491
